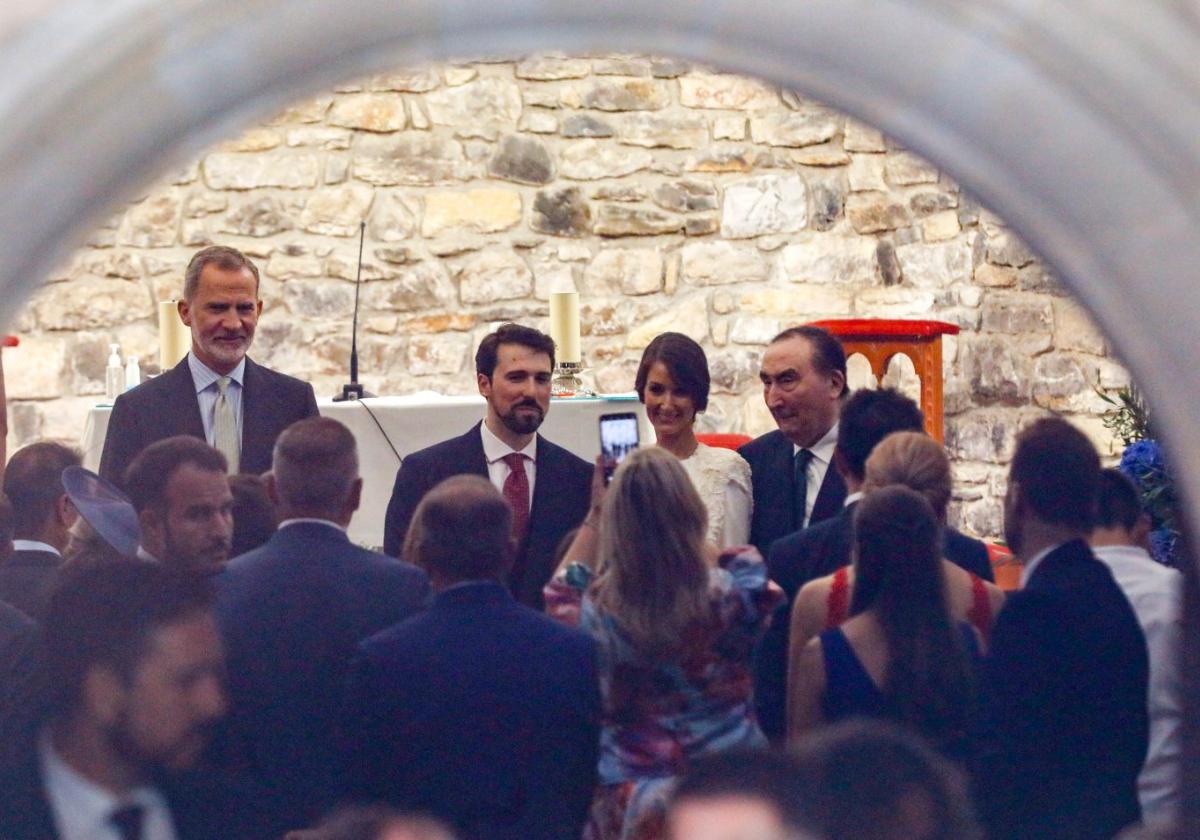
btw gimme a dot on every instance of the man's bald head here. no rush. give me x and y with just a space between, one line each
461 531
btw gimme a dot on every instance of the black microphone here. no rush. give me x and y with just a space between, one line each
353 390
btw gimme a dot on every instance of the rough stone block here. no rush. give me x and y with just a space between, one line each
1016 313
936 265
726 92
408 158
494 275
437 354
862 138
90 303
415 288
1074 329
481 108
631 220
795 302
764 205
154 223
587 160
319 299
552 67
686 196
830 259
717 263
653 131
523 160
689 316
801 128
481 210
392 220
380 112
627 271
245 171
905 168
875 212
624 95
561 212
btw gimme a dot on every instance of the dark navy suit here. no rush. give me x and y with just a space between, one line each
291 613
772 475
561 494
1065 725
806 555
482 712
27 578
166 406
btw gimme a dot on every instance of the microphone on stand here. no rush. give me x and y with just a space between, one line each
353 390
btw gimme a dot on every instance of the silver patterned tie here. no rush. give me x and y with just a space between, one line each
225 435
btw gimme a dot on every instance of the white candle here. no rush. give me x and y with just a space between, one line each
564 325
174 338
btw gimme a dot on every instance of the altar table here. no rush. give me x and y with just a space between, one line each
407 424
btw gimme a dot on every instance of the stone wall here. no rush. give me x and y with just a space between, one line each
674 197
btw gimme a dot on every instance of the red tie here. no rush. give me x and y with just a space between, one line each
516 492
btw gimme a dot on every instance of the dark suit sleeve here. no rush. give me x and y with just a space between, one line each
310 402
969 554
771 653
122 441
412 482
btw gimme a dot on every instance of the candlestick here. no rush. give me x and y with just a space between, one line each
174 338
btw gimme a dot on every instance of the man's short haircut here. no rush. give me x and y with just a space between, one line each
33 484
828 354
684 360
489 348
774 777
105 612
148 474
867 417
1118 504
1058 472
461 529
315 464
223 257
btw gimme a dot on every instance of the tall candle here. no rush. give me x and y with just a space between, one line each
174 338
564 325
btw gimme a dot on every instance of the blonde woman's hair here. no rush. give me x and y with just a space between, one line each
914 460
652 576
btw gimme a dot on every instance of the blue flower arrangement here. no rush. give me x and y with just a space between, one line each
1145 463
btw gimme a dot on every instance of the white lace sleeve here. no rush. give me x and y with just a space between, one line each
722 478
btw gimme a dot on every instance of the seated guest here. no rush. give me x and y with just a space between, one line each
42 519
1156 593
179 490
741 795
134 671
676 629
871 781
481 711
804 383
867 417
546 485
291 613
1065 725
672 381
901 656
919 463
373 822
254 515
216 394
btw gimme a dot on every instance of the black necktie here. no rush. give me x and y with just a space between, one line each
800 477
128 821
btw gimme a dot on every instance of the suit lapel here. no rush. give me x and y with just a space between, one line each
830 497
256 435
472 447
183 408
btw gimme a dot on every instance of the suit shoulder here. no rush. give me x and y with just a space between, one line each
563 457
761 446
450 448
283 381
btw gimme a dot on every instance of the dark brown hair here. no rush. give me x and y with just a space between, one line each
489 348
223 257
1058 473
33 483
828 355
149 473
684 360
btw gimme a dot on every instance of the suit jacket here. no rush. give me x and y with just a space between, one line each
561 494
812 553
772 475
18 670
26 580
291 613
202 806
1064 726
482 712
166 406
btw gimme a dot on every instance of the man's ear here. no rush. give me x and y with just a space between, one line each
153 533
1140 533
64 510
354 500
837 382
272 488
839 464
185 311
103 694
485 384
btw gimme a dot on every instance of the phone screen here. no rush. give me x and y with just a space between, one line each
618 437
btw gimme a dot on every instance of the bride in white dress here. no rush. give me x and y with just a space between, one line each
673 382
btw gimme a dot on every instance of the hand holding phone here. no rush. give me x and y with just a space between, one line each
618 437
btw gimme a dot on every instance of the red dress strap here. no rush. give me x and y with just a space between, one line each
837 607
980 614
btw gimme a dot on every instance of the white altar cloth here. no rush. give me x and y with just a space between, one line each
414 422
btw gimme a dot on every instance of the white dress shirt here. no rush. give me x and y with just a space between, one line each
818 465
81 808
205 380
312 520
1156 593
494 451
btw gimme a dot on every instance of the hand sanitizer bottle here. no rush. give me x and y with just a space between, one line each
114 374
133 373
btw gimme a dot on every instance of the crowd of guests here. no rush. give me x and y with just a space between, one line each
541 653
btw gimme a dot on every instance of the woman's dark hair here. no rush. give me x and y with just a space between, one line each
898 574
684 359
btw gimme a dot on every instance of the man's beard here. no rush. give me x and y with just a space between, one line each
520 423
201 564
154 765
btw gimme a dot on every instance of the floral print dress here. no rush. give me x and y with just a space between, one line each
659 715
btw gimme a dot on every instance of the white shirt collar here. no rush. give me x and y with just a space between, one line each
299 520
35 545
143 554
851 498
80 807
203 376
822 450
1028 568
494 449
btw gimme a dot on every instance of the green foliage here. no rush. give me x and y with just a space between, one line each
1129 418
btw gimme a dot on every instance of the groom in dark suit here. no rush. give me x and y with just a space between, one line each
804 381
1065 724
216 393
548 487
